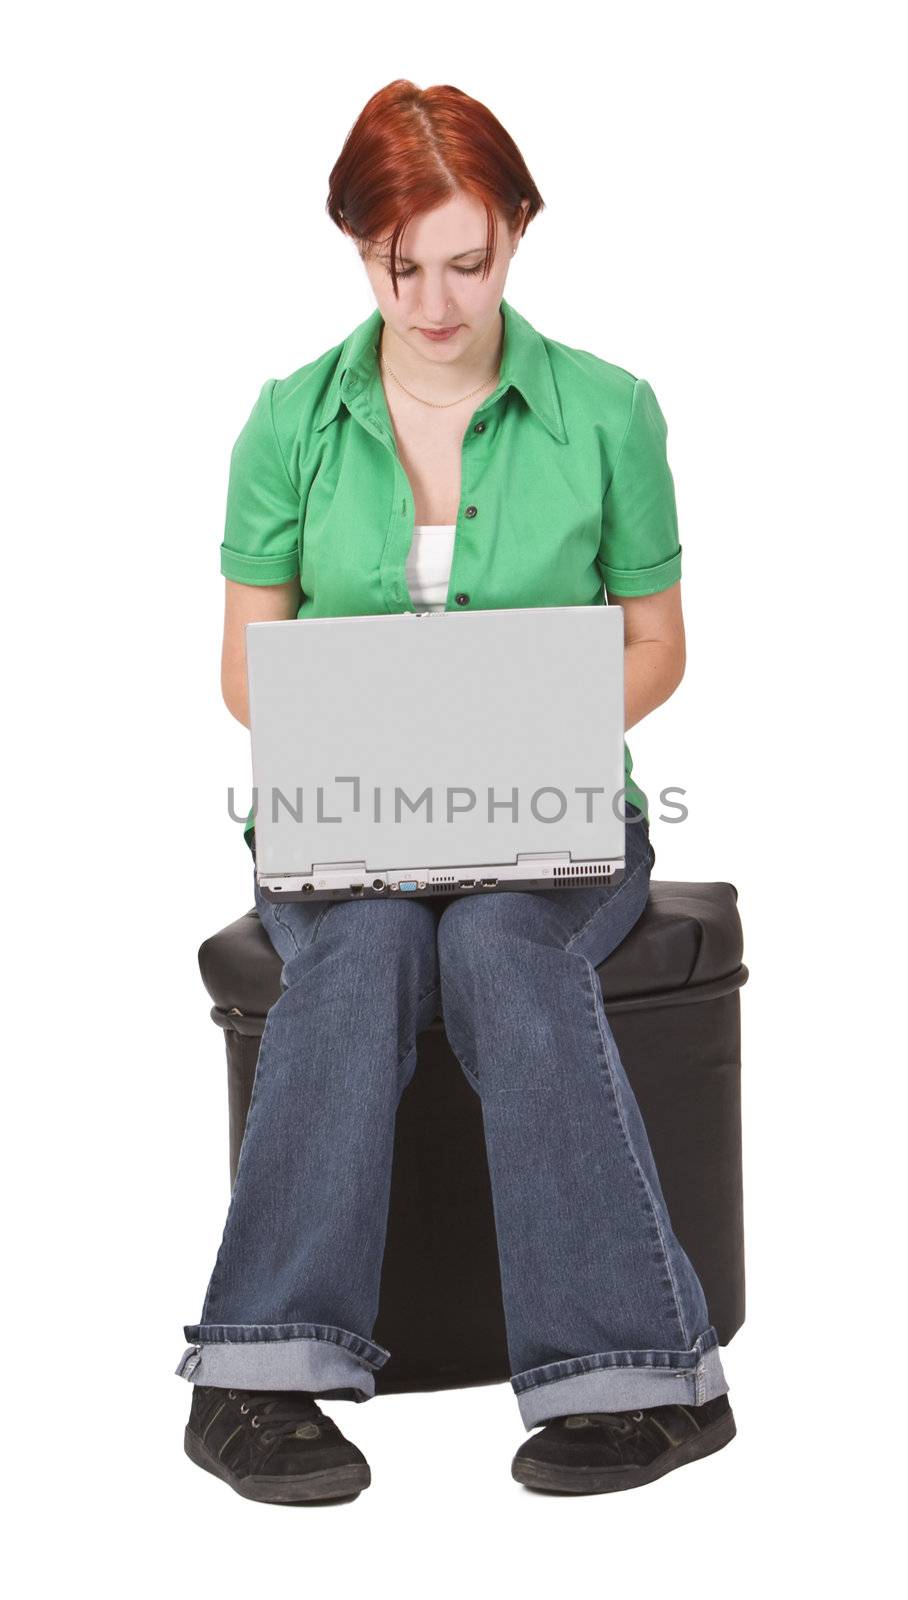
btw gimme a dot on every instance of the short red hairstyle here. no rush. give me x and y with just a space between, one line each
410 150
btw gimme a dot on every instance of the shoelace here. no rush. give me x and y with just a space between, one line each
613 1421
283 1412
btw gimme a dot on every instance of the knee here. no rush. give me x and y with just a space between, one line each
479 928
385 923
369 934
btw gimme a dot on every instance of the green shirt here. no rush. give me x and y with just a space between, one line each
565 490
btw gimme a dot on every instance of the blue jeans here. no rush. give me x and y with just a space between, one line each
603 1309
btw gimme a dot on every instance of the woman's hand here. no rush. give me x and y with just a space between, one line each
654 649
248 602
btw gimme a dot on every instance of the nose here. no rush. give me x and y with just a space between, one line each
437 308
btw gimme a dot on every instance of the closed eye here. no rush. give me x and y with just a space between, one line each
465 272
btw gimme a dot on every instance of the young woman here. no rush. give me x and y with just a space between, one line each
447 455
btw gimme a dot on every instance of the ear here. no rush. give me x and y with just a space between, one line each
517 228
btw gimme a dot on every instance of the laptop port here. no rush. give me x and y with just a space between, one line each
308 888
407 885
377 883
488 883
356 888
466 883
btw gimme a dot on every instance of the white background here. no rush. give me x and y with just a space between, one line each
722 206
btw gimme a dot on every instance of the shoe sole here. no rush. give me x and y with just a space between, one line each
605 1480
333 1483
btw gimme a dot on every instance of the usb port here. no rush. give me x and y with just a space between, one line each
467 883
488 883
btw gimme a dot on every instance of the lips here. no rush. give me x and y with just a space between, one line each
440 333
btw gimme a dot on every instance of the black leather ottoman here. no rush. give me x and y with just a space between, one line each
671 991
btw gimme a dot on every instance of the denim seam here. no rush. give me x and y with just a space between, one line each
288 929
597 1364
473 1076
256 1080
275 910
316 926
435 989
582 1366
622 1360
596 990
625 884
317 1333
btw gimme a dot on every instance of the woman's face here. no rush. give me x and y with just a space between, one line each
440 281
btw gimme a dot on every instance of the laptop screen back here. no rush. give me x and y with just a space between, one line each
437 739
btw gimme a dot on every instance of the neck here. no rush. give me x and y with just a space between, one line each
443 381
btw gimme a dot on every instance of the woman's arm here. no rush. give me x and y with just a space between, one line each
654 649
249 602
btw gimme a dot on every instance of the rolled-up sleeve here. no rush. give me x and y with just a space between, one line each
640 552
261 531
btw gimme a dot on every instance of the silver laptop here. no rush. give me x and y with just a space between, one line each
434 753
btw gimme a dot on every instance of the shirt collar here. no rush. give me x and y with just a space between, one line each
525 366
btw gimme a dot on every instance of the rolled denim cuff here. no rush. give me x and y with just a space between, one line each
310 1356
621 1381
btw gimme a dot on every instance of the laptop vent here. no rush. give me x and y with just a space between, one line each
451 878
583 874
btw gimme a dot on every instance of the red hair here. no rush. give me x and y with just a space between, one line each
410 150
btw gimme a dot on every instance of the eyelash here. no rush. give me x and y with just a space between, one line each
465 272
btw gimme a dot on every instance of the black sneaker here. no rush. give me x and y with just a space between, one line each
599 1451
277 1446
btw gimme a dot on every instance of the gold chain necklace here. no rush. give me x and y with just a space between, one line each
440 405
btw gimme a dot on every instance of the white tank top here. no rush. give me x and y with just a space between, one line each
429 564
